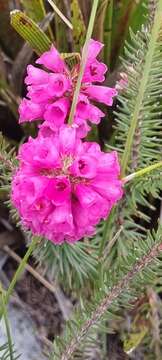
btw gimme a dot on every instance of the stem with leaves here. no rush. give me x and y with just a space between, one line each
125 180
106 302
83 61
142 87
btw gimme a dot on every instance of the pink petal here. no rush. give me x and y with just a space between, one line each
85 194
84 166
30 111
62 215
94 114
36 76
102 94
99 210
87 111
81 126
45 130
92 148
56 113
67 140
39 153
109 164
52 60
111 190
58 85
80 216
94 71
94 48
38 93
58 190
82 107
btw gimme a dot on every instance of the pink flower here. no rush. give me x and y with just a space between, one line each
27 107
36 76
49 89
52 61
56 113
101 94
64 186
86 111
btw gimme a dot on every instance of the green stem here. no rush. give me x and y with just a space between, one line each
142 87
8 333
20 269
142 172
108 38
83 61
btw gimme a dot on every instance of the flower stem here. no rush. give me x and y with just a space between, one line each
142 172
83 61
20 269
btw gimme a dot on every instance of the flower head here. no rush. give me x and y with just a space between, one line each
64 186
50 91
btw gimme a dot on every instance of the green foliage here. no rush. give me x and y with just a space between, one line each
139 111
107 19
7 351
121 288
138 132
71 264
79 31
34 9
7 164
126 14
6 91
30 32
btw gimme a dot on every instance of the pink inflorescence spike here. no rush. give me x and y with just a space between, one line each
50 91
64 186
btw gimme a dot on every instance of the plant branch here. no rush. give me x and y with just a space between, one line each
142 87
6 162
83 61
109 299
142 172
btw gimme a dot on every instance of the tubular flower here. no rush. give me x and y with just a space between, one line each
63 186
50 91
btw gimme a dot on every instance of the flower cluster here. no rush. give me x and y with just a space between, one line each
50 91
65 186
